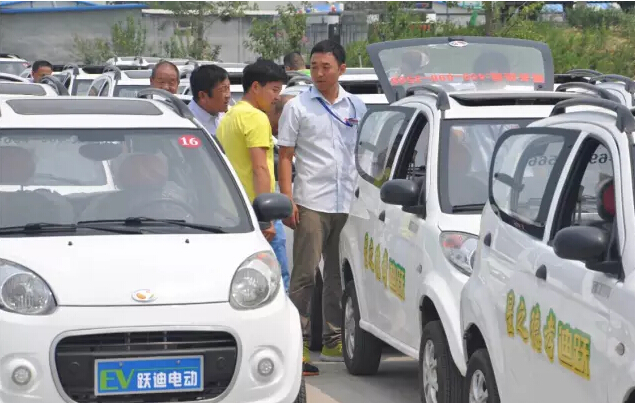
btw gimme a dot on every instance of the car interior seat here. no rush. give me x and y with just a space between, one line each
142 180
606 211
20 207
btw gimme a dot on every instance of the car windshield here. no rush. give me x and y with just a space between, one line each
81 86
65 176
128 91
464 159
15 68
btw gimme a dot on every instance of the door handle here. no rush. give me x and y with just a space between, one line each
487 241
356 193
382 216
541 273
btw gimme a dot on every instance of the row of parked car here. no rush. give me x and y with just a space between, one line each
489 233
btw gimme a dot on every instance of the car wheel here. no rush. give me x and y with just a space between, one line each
480 380
302 394
315 341
440 379
361 350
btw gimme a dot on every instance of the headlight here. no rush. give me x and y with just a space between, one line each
23 292
459 249
256 281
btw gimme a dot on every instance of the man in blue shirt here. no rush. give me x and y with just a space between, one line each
209 85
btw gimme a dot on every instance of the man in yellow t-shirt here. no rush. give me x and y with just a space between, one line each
245 134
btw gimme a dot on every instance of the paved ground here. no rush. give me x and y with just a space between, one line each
396 381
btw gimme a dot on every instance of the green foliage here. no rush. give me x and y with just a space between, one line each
125 40
202 15
91 51
591 18
598 39
278 36
129 39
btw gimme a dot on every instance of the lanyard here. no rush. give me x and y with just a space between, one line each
345 122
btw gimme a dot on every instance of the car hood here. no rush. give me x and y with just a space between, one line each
107 270
468 223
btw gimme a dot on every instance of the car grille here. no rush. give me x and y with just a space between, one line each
75 359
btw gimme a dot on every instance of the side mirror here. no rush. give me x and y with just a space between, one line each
583 243
272 206
400 192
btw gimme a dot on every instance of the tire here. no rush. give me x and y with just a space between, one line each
367 349
315 341
480 363
450 383
302 394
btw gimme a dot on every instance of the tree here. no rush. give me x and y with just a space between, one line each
278 36
202 15
129 40
91 51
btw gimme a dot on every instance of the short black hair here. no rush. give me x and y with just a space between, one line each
329 46
205 78
294 60
39 64
157 66
263 71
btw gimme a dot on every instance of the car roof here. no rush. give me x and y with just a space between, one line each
498 104
26 89
89 112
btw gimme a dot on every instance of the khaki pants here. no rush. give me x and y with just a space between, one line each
318 234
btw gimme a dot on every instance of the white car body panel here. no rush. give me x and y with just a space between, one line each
597 304
382 314
94 277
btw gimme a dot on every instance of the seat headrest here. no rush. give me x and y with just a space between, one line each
606 199
142 171
17 165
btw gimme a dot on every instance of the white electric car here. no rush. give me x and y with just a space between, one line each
422 162
550 299
147 292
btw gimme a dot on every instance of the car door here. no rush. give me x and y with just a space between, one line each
95 87
520 195
379 136
573 299
403 236
105 90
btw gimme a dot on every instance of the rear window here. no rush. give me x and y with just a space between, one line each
464 65
129 91
15 68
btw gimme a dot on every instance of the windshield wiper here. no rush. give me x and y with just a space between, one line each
468 207
139 221
40 227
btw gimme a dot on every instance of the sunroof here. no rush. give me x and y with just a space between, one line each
21 89
65 106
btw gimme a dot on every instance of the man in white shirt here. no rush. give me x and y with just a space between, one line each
209 85
319 127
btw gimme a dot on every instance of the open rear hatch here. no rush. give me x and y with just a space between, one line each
462 64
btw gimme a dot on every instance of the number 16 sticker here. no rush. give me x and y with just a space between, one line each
189 141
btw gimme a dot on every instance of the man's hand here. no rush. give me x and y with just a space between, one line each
292 222
269 233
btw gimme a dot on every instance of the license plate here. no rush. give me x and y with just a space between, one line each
131 376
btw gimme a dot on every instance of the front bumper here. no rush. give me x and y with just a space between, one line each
270 332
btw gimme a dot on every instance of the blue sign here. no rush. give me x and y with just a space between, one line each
130 376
